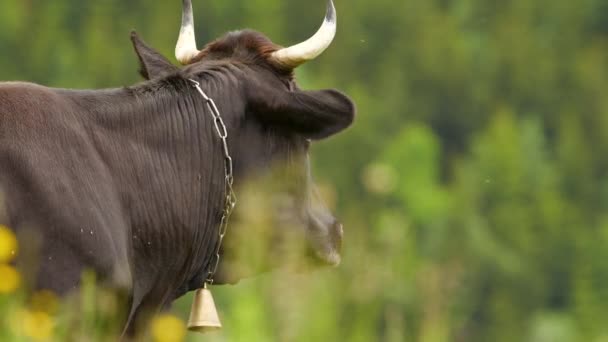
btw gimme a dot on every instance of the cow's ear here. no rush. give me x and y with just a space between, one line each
151 63
313 114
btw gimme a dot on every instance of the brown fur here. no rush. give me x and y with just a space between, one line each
247 45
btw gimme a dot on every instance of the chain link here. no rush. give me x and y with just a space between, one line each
230 199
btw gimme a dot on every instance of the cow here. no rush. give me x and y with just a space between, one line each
130 182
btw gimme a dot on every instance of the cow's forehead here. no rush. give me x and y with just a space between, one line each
244 45
248 39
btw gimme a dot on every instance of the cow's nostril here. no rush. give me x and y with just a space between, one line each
340 230
338 234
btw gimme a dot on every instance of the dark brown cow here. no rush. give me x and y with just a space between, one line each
129 182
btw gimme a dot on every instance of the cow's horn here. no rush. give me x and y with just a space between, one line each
296 55
186 49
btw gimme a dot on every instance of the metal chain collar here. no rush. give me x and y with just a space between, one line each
230 199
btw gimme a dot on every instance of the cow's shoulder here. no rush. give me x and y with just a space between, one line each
55 183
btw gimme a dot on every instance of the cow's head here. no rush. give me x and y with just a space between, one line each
270 137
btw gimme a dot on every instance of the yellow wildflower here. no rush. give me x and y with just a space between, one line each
10 279
8 244
36 325
168 328
45 301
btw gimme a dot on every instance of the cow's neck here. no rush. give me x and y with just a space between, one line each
162 150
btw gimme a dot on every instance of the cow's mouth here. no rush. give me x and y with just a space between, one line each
299 247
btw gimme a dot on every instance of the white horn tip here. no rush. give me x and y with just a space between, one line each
331 12
186 49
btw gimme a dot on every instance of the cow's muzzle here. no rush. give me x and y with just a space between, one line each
326 243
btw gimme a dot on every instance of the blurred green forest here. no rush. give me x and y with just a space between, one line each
473 185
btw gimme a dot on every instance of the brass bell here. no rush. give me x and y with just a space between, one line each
203 316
